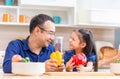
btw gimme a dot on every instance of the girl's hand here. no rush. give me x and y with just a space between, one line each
88 68
69 65
80 68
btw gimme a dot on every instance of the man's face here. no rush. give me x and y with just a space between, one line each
48 33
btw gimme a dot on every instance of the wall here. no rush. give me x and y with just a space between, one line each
98 4
8 33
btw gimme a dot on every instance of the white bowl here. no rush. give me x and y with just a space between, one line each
30 68
115 68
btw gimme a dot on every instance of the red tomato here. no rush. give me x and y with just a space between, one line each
79 59
16 58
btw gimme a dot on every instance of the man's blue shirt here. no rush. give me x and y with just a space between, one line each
21 47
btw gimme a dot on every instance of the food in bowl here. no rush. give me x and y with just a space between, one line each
23 66
30 68
18 58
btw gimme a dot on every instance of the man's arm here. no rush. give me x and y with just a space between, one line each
10 51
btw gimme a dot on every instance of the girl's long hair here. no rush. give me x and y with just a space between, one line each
87 36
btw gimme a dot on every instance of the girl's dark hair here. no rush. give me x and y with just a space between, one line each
87 36
39 19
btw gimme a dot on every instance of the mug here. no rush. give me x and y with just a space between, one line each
57 19
9 2
23 19
7 17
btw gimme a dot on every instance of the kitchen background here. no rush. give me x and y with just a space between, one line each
87 14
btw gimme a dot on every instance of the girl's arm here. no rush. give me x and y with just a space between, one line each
88 68
69 65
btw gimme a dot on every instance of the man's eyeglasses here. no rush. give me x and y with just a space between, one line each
49 32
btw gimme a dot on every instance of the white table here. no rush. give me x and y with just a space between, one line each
63 76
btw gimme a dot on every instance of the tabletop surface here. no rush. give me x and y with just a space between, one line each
102 74
52 75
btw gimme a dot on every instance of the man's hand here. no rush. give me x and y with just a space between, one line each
51 66
61 68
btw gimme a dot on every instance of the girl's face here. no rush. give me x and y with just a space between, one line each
75 43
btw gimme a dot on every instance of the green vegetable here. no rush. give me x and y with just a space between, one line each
23 60
117 61
27 59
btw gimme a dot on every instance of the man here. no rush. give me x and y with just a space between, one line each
37 46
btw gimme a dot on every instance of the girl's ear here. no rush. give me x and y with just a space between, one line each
83 45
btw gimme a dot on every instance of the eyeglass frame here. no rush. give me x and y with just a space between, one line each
51 33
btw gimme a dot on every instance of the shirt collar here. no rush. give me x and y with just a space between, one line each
25 41
26 46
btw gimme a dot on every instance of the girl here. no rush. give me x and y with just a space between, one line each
81 41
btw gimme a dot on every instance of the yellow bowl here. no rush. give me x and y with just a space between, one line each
30 68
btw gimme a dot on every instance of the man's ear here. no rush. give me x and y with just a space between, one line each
37 29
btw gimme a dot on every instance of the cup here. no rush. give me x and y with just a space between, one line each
7 17
57 19
8 2
58 43
23 19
